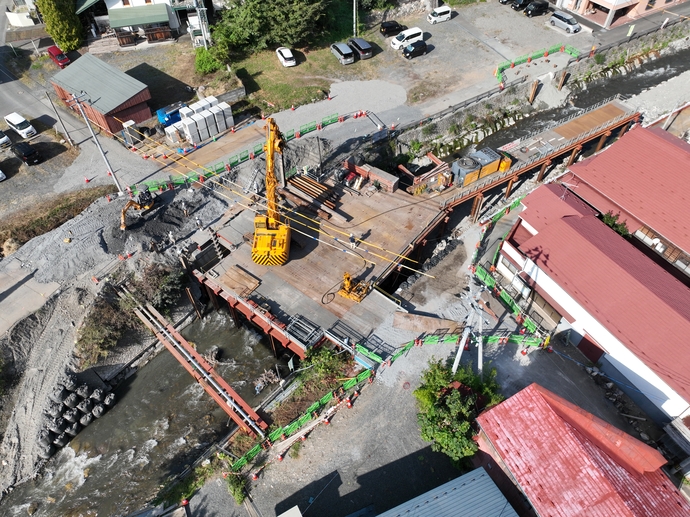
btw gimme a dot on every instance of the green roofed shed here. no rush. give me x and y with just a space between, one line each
112 96
138 16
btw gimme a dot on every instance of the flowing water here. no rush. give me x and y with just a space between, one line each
163 420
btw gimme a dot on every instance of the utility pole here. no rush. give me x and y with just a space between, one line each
77 101
60 119
354 18
203 23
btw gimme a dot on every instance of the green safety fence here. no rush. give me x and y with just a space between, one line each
234 160
508 300
331 119
289 135
367 353
485 277
258 149
534 55
498 249
307 128
293 427
572 51
244 156
219 167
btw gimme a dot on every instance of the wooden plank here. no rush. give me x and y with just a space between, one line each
588 121
239 281
419 323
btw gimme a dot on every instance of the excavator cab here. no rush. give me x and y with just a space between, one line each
145 201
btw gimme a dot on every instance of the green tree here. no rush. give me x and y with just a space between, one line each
62 23
253 25
446 414
612 221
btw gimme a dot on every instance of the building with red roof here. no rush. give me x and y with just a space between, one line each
622 309
569 463
641 178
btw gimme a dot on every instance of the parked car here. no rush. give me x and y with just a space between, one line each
504 2
4 140
2 176
418 48
58 56
361 47
344 53
285 56
26 153
519 5
406 37
565 22
20 125
536 8
440 14
392 28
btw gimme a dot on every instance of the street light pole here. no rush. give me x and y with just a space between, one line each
77 101
354 18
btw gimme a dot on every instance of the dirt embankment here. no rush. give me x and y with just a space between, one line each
38 352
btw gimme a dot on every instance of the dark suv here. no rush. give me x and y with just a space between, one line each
26 153
519 5
418 48
392 28
536 8
361 47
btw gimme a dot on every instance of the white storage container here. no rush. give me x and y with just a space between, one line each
190 130
186 112
227 112
210 122
201 127
205 104
196 107
212 100
220 118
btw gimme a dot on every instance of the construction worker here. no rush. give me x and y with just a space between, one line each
353 241
199 224
185 210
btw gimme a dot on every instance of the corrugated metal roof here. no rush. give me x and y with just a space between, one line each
644 175
106 86
83 5
137 16
550 202
471 495
642 305
557 453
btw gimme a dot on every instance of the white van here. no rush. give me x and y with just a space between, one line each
406 37
20 125
440 14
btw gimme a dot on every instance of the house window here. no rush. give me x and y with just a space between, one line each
148 1
545 307
508 265
125 3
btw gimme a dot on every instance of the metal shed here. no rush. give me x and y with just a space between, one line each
112 97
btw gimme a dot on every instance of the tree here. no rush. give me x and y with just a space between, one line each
447 413
612 221
62 23
253 25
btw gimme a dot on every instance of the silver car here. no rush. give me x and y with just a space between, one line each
344 53
565 22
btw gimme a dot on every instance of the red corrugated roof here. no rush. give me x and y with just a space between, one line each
570 463
643 175
549 202
642 305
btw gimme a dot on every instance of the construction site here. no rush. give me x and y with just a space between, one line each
305 253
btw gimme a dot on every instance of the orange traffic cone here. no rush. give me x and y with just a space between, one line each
86 180
293 108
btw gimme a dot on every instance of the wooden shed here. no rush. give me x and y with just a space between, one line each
112 97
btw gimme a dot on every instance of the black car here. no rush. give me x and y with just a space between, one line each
536 8
519 5
392 28
26 153
418 48
504 2
361 48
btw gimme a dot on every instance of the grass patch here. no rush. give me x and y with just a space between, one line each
24 225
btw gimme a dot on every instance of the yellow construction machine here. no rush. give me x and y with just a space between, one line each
271 246
145 201
353 291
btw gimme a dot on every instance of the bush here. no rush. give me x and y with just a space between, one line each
205 63
160 285
236 487
599 59
447 415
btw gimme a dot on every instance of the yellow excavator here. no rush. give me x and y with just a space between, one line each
271 246
145 201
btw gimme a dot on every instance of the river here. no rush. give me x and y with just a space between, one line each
162 422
